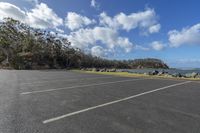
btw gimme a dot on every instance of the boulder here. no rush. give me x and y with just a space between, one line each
191 75
160 73
198 76
113 70
194 74
83 69
155 72
177 75
88 69
102 70
148 73
140 67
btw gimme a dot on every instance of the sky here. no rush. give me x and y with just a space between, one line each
119 29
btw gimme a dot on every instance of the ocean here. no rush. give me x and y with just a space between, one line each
170 71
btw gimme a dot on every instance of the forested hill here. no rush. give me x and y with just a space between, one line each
23 47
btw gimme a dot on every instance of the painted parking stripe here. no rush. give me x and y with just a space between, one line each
112 102
78 86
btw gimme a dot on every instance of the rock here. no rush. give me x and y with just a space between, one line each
88 69
176 75
194 74
191 75
140 67
155 72
160 73
147 73
83 69
113 70
102 70
188 75
198 76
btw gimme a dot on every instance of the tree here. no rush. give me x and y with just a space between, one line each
23 47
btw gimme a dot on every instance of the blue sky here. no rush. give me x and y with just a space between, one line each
119 29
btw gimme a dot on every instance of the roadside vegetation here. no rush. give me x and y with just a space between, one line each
23 47
154 74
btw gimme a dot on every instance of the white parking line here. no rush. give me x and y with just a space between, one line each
112 102
47 81
78 86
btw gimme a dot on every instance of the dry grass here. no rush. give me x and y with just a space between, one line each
126 74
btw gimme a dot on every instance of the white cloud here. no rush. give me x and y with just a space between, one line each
12 11
105 34
139 47
154 28
75 21
98 51
145 20
43 17
85 38
60 30
158 46
187 36
94 4
39 17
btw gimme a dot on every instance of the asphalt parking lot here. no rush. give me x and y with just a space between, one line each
71 102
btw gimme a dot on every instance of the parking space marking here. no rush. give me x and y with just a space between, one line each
73 79
79 86
112 102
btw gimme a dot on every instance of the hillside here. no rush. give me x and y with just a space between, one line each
148 63
23 47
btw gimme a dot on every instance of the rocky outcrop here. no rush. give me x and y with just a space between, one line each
148 63
176 75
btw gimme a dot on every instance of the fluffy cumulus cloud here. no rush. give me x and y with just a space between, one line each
98 51
154 28
43 17
75 21
145 20
9 10
100 38
158 46
85 38
39 17
187 36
